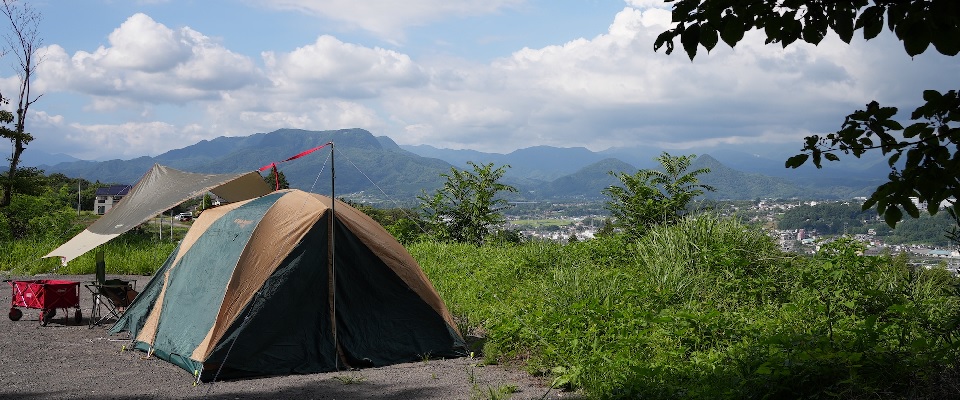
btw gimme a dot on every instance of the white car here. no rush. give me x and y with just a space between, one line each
183 217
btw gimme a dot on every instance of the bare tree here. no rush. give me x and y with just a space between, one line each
23 40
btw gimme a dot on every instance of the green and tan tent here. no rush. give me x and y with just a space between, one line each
280 284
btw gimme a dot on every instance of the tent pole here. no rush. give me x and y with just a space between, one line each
333 196
332 252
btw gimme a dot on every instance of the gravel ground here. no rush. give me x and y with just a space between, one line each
65 360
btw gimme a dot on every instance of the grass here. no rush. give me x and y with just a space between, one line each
708 308
493 392
133 253
486 391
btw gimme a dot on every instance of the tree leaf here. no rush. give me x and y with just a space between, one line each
791 29
931 96
731 29
662 39
910 208
831 157
893 159
796 161
708 37
842 25
814 32
915 130
891 124
871 20
947 44
915 35
690 38
892 215
896 12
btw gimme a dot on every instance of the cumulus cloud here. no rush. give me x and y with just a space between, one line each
142 44
149 62
329 67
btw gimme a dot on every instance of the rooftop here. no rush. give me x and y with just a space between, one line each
114 190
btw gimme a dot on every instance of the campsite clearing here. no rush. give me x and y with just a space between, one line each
72 361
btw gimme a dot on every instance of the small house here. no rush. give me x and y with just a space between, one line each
107 197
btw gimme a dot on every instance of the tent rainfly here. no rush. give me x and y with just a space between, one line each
254 289
159 190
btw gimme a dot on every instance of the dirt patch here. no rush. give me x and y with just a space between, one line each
67 360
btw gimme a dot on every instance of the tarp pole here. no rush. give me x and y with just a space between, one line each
333 258
333 201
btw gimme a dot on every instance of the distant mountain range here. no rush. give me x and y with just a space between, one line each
376 168
34 158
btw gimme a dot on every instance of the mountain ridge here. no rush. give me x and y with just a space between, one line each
377 167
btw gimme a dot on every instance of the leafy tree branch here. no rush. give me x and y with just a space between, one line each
917 23
930 172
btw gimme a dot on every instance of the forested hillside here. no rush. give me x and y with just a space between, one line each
834 218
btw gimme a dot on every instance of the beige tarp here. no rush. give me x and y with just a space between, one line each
159 190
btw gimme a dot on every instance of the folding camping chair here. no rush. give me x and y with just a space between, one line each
110 297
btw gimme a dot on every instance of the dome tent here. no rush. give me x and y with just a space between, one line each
256 288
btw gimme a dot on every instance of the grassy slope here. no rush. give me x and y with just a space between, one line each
708 308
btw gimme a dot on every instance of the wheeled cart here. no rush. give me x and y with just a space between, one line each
47 295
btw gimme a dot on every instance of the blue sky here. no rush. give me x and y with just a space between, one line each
123 78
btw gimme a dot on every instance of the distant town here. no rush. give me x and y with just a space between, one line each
582 221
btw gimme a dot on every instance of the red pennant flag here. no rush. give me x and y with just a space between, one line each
274 164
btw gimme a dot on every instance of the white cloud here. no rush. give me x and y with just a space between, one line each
332 68
107 141
613 89
242 113
142 44
148 62
387 18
